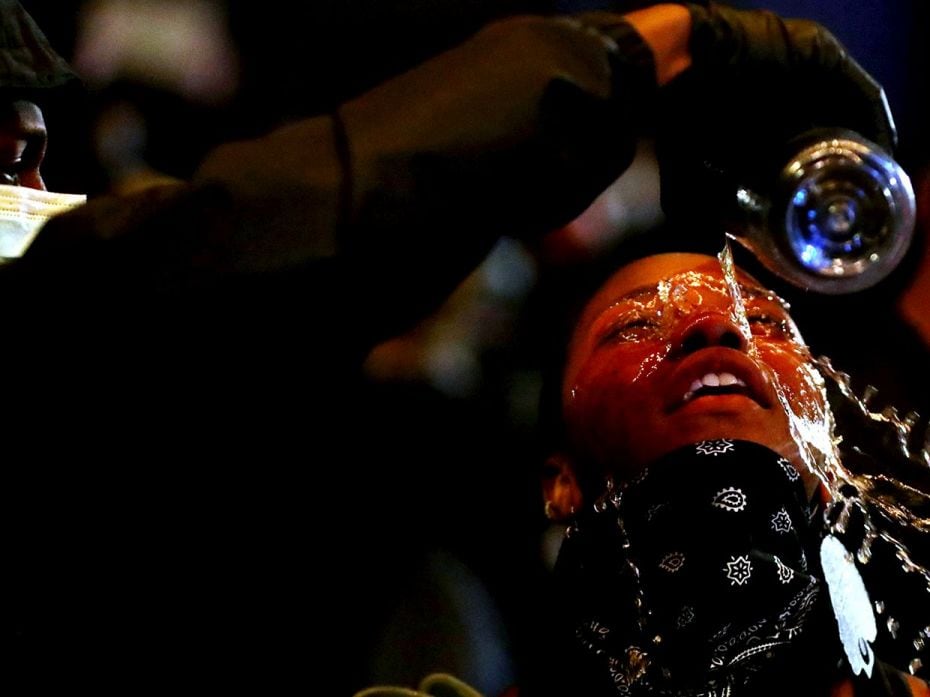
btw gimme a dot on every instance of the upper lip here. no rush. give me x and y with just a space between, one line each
718 360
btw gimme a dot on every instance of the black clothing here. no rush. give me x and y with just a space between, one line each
701 578
203 491
199 488
27 63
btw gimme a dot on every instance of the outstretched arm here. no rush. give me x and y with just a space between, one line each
394 198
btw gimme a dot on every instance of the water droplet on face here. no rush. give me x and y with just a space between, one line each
808 421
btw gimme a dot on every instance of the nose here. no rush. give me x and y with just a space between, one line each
707 330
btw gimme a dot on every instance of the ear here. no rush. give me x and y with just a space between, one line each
561 492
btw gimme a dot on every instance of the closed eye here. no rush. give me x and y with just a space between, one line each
633 329
770 326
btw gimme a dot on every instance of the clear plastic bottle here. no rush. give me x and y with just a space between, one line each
838 218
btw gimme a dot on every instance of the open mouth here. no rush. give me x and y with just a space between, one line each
716 373
715 384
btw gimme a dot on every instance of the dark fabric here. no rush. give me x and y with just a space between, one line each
879 542
203 491
395 201
725 576
836 90
27 62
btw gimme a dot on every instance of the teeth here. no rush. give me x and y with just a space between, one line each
728 379
713 380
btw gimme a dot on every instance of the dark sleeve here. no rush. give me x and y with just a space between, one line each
178 340
385 205
403 190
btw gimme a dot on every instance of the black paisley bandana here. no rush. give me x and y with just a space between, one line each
701 577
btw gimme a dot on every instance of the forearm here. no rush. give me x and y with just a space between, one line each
405 189
392 131
512 133
284 197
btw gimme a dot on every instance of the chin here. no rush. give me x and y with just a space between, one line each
772 436
712 425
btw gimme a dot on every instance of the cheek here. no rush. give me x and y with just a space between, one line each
32 179
606 397
801 384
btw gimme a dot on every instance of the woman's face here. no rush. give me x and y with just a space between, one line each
667 354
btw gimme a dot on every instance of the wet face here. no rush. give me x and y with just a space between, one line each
667 354
22 144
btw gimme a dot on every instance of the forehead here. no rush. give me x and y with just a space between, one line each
20 121
20 114
646 273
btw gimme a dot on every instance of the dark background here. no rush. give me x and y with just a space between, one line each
303 58
445 492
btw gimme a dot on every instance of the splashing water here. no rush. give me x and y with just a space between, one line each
902 427
905 507
823 454
811 432
887 493
728 266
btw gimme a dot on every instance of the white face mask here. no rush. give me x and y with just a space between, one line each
23 212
